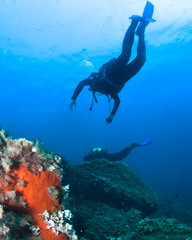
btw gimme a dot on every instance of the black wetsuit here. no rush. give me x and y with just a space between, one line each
113 75
103 154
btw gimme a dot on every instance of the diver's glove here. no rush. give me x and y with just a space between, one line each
109 119
73 103
146 142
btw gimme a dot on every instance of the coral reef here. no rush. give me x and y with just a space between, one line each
30 185
15 225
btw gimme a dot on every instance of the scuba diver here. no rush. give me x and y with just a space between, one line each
100 153
113 75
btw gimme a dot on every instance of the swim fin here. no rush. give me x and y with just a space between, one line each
146 142
147 12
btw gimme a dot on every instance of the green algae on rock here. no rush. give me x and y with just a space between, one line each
162 229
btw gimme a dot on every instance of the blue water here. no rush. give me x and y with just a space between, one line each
38 78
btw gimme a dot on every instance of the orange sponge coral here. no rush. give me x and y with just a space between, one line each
30 182
35 194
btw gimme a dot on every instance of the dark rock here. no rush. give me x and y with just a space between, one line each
16 226
98 221
112 183
174 210
162 228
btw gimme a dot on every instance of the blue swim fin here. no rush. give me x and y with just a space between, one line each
146 142
147 12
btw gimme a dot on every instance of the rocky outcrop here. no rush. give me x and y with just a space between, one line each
113 183
108 199
98 221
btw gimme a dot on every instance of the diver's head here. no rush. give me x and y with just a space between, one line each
95 153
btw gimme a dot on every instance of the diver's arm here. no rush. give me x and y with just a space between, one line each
78 89
115 107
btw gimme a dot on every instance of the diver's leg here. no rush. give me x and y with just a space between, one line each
117 71
122 154
114 72
141 47
133 67
128 41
